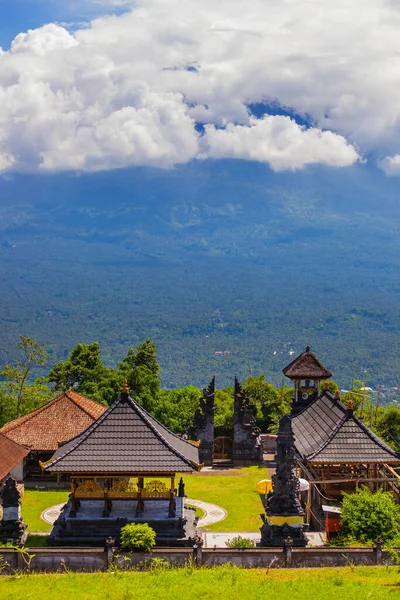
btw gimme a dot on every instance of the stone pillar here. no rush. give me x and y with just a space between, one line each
202 429
12 528
246 440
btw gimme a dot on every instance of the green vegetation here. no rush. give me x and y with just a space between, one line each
240 542
34 502
18 395
367 516
137 537
237 494
225 583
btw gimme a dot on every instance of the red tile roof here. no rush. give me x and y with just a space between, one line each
11 454
57 421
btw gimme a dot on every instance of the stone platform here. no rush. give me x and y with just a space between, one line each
89 528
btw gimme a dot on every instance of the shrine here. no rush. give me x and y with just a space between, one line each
335 451
123 469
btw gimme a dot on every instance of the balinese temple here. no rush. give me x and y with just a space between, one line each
123 469
336 451
44 429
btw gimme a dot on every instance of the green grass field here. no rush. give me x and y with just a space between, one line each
224 583
34 502
235 493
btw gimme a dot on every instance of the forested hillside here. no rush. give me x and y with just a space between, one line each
228 267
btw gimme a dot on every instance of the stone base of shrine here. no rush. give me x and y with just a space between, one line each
90 528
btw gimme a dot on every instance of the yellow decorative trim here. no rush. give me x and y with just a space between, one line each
271 520
126 489
89 489
197 466
45 463
197 444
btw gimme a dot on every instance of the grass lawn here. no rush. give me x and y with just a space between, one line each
34 502
224 583
237 494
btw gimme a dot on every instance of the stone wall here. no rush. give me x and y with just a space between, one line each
99 559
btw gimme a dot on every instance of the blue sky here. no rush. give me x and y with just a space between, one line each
18 16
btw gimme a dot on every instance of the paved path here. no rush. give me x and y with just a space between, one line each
50 515
212 512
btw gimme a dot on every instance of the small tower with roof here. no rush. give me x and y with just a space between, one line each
306 371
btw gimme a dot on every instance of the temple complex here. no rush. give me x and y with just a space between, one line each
335 450
123 469
44 429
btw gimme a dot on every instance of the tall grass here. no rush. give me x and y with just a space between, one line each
224 583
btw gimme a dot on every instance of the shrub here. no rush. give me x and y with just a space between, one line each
367 516
137 537
240 542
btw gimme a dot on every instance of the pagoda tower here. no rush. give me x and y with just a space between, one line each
306 371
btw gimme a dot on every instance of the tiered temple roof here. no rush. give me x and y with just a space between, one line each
328 432
57 421
11 454
307 366
126 439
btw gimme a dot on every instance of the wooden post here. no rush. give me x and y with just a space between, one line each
140 503
308 505
72 512
172 503
106 510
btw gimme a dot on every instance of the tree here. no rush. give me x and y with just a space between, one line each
33 354
176 408
388 425
140 368
84 371
367 516
271 403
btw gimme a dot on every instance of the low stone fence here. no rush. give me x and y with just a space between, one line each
98 559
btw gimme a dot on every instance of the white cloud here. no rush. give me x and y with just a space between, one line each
281 142
391 165
127 89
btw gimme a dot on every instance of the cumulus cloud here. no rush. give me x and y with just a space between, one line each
281 142
391 165
128 89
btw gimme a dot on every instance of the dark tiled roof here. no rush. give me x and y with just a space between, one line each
125 439
326 432
307 366
60 419
11 454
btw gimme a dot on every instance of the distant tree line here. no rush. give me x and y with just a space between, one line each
85 372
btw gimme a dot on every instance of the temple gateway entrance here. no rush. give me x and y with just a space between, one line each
223 448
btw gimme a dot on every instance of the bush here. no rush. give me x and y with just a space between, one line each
137 537
240 542
367 516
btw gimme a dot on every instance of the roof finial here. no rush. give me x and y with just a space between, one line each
124 387
337 395
307 348
350 405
